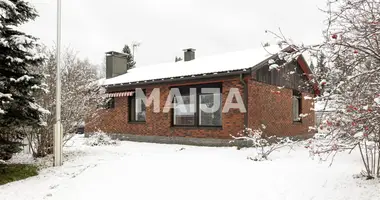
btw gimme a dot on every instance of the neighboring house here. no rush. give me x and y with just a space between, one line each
266 100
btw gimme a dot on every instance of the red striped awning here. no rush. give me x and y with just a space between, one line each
120 94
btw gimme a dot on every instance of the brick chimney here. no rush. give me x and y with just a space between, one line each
189 54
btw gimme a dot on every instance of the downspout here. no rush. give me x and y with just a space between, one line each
245 99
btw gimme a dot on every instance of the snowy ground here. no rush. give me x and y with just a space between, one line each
155 171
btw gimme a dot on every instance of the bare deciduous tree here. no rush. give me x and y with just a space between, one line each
80 98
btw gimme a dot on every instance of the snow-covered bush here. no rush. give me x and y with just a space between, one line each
100 139
263 144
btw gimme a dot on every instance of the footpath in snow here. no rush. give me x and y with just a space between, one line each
132 170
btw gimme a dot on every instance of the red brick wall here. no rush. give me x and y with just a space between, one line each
116 120
264 107
271 106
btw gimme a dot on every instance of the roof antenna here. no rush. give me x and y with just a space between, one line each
135 45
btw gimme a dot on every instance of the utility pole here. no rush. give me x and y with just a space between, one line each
58 135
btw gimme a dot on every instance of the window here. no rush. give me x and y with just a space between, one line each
110 103
213 118
137 111
201 110
296 106
184 114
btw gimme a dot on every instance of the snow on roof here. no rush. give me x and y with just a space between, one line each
325 106
204 65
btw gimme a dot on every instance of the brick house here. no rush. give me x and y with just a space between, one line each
275 98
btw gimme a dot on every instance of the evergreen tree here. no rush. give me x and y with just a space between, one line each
177 59
18 82
321 62
323 72
130 60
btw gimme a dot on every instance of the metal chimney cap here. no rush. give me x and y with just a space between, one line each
189 49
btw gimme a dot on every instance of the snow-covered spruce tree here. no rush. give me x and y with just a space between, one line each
352 76
130 60
80 98
18 82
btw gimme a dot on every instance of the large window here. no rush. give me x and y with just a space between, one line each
137 111
198 109
296 106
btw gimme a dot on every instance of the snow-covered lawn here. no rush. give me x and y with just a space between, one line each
132 170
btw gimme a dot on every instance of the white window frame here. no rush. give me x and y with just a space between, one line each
296 108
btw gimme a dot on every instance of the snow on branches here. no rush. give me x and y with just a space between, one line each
350 79
263 144
19 83
80 96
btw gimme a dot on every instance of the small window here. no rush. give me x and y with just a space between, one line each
137 111
110 103
296 106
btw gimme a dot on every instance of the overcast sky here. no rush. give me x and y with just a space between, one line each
165 27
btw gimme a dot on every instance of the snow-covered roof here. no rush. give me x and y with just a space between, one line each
325 106
226 62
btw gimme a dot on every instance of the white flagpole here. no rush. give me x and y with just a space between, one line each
58 127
